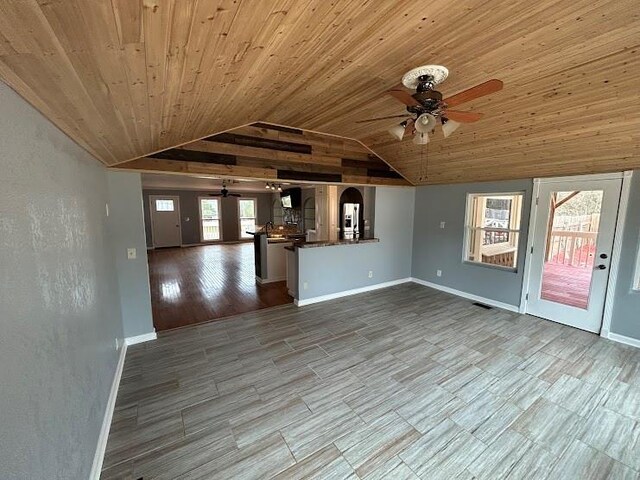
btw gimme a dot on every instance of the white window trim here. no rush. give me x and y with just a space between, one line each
217 199
468 228
255 211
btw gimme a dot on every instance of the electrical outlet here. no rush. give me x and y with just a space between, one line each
439 273
117 344
442 224
370 273
131 253
305 285
106 208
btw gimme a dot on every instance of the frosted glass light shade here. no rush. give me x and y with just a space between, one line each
425 123
449 127
421 138
397 132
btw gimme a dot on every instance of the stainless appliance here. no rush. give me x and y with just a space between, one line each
350 220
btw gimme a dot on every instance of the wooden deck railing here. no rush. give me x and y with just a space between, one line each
576 249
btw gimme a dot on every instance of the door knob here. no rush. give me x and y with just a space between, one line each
603 255
601 267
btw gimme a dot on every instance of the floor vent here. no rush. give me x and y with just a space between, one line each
482 305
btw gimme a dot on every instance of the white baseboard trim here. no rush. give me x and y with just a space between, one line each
346 293
141 338
262 281
96 467
634 342
470 296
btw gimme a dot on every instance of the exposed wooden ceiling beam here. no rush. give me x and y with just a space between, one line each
155 165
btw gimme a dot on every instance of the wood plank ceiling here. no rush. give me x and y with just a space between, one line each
273 152
126 78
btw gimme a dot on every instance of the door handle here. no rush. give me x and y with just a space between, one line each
601 267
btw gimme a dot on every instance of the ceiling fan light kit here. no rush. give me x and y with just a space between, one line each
397 131
425 123
449 127
426 106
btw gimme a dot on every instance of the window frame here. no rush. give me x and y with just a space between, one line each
255 217
217 199
173 204
468 217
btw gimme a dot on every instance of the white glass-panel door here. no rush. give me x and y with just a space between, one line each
573 240
210 230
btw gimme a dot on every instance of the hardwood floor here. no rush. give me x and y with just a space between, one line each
404 382
567 284
197 284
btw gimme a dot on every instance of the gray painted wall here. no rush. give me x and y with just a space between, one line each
59 299
626 311
334 269
435 248
190 213
126 228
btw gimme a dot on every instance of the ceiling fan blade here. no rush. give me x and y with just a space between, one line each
408 130
384 118
462 117
404 97
472 93
235 195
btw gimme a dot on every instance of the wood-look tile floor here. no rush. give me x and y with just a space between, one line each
197 284
405 382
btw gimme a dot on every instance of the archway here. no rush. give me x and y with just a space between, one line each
352 195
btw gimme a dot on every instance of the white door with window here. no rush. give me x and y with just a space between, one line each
573 228
210 226
247 213
165 221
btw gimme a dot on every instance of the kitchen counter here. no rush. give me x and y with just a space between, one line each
326 243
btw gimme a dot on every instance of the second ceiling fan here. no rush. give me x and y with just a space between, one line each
427 107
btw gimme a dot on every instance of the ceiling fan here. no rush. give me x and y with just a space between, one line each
426 107
224 193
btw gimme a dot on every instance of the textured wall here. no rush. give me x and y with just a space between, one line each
334 269
190 209
126 229
435 248
58 301
626 312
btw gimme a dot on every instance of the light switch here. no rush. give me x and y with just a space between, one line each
442 224
131 253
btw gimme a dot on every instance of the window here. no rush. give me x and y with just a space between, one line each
247 214
164 205
210 219
493 229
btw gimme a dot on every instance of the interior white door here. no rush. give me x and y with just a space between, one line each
165 220
574 229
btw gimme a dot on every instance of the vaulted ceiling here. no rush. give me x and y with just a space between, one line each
126 78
